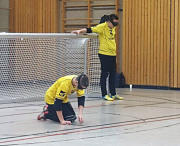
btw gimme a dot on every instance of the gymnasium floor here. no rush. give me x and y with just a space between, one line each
144 118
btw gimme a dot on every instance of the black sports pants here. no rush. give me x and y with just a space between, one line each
108 67
67 111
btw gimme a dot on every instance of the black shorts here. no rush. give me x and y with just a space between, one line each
67 111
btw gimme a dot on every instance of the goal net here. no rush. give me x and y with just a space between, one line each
30 63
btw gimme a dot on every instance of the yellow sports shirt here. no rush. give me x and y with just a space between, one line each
106 39
61 89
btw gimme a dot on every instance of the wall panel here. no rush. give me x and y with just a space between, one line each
175 46
178 48
146 42
34 16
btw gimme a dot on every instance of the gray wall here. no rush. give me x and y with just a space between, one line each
4 15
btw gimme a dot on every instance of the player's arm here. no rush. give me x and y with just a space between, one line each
61 118
60 95
84 30
81 101
80 117
95 29
58 108
83 83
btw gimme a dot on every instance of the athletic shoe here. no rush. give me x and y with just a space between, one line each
43 113
117 97
107 97
45 108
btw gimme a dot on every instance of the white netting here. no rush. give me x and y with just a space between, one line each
31 63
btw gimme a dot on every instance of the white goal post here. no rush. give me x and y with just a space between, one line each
31 62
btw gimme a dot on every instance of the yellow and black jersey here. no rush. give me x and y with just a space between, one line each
106 39
61 89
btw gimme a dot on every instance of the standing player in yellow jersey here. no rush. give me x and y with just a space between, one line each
107 53
58 107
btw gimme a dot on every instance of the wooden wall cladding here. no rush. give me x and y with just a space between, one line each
151 33
175 44
34 15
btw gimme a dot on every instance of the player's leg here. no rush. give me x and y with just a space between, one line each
68 112
104 75
112 83
48 113
112 87
112 75
43 113
103 78
52 115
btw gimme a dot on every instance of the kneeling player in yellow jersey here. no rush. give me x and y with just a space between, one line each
58 107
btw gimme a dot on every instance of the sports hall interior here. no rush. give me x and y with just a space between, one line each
148 54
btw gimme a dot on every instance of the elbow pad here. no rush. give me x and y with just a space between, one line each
81 101
89 30
58 105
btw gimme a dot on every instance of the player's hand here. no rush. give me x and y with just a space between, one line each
80 118
76 31
65 122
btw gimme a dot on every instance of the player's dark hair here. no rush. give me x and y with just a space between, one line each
104 19
113 17
83 81
110 18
